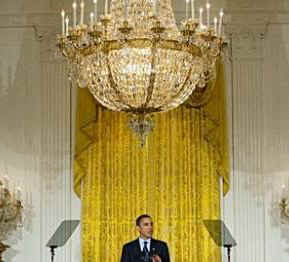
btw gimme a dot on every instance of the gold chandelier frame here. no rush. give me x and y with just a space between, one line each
92 50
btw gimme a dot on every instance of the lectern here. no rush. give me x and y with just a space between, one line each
61 235
221 235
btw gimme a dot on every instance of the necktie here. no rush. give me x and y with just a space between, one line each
146 252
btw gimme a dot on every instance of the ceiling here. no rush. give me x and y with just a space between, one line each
241 6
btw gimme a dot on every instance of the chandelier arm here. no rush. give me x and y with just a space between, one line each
152 76
114 85
165 44
286 212
2 218
201 95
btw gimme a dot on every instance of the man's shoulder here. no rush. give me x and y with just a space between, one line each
131 243
159 242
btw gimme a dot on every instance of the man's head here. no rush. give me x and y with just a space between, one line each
144 225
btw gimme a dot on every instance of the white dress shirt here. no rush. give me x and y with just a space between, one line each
141 243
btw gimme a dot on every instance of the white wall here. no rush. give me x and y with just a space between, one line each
19 129
24 6
35 137
259 115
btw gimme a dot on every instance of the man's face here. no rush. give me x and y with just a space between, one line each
146 228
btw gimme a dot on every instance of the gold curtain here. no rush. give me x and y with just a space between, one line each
174 177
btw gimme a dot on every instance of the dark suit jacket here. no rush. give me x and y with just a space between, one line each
131 251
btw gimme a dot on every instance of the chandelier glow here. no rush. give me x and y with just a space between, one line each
10 212
135 59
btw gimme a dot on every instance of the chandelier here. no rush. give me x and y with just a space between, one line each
136 60
283 204
10 212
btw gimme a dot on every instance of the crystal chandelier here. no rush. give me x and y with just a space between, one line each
134 58
10 213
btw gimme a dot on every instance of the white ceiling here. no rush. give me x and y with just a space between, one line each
15 6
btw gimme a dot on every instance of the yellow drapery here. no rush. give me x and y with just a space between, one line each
174 178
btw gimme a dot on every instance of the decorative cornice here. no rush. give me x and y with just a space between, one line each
246 42
246 33
45 27
20 19
41 23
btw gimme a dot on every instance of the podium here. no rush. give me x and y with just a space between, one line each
61 235
221 235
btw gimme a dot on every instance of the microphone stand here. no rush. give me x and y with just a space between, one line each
228 251
52 250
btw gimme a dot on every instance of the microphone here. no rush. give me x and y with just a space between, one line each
153 253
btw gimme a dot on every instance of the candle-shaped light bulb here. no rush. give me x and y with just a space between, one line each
201 17
30 198
6 182
106 7
26 198
1 191
91 20
187 9
193 9
216 25
13 190
221 13
95 10
125 10
18 193
208 6
67 25
74 5
81 12
63 22
283 192
221 23
156 7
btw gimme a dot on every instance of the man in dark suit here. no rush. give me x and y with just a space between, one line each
145 248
